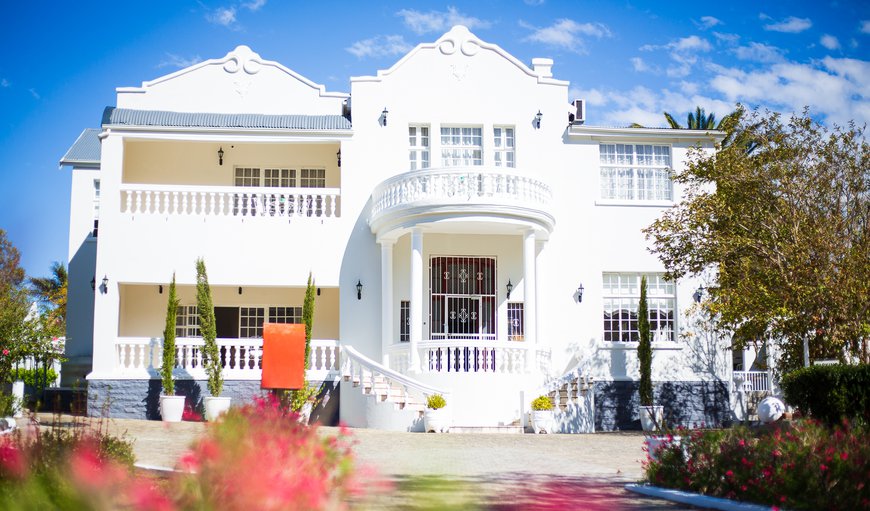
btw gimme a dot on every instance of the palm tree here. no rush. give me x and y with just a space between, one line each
52 291
699 120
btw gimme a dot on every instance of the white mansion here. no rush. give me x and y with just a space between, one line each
468 231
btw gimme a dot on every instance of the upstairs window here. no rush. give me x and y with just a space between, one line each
279 178
312 178
636 172
503 141
461 146
418 141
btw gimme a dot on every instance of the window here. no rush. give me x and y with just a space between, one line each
621 297
418 141
635 172
247 176
463 298
516 330
285 315
279 178
251 321
187 321
405 321
503 139
461 146
312 178
96 207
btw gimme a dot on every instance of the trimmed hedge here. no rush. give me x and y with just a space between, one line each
829 393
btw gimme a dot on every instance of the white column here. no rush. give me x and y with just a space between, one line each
416 298
386 300
529 290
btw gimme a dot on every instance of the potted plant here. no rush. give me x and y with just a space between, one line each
436 418
542 414
171 406
215 404
650 416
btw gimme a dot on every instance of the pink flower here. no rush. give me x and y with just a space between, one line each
5 352
729 474
823 467
844 456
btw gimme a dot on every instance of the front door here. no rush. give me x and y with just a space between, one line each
462 298
463 317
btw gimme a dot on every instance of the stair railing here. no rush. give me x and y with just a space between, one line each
357 367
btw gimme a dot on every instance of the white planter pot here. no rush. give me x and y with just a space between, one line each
171 408
215 407
543 421
651 417
18 393
436 421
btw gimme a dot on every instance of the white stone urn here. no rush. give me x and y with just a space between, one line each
543 421
215 407
436 421
171 408
651 417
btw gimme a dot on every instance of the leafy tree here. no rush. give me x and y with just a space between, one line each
208 329
787 228
51 292
644 347
17 326
169 341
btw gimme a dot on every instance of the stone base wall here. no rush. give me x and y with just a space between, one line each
140 399
686 403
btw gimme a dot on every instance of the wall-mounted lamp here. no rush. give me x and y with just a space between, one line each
160 289
338 156
359 290
510 287
580 293
698 294
538 119
94 283
221 156
318 291
384 115
105 284
240 289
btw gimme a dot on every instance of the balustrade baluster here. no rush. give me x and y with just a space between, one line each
139 359
128 203
185 202
332 204
122 356
138 208
148 195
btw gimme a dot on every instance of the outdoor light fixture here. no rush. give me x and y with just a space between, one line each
384 115
221 156
160 289
338 155
105 284
580 293
318 291
510 287
698 294
359 290
240 289
538 119
94 283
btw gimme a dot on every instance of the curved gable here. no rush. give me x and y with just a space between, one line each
240 82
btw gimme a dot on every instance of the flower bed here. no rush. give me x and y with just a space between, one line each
805 465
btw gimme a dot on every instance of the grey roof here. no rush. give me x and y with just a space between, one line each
128 117
85 150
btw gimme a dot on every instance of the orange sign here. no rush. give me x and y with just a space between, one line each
283 356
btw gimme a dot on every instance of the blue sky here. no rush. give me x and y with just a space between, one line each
630 60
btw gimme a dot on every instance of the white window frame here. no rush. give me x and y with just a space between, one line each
187 321
419 142
312 177
249 314
461 146
288 314
504 146
621 295
635 172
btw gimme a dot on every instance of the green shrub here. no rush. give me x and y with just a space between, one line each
829 393
9 405
34 377
436 401
542 404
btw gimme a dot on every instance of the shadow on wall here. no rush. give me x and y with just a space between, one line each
686 403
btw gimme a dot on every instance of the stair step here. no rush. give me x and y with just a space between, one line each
507 430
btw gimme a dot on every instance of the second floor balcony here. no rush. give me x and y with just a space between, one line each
472 191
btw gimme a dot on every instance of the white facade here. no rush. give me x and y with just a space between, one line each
445 167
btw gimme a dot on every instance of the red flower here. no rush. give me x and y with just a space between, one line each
5 351
729 474
823 467
844 456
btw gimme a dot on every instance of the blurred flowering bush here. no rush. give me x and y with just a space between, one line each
804 466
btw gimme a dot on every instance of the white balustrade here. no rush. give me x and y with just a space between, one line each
229 201
751 381
241 359
460 185
455 356
388 384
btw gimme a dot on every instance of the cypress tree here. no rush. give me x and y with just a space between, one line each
208 330
644 347
169 341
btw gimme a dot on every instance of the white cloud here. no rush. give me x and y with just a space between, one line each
708 22
568 34
225 16
683 52
379 46
34 93
791 25
534 3
177 61
645 106
439 21
726 38
639 65
865 26
254 5
830 42
4 83
759 52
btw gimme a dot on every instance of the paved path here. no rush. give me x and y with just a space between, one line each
491 471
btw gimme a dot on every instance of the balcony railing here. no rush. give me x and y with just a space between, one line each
750 381
453 356
481 186
240 358
230 201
